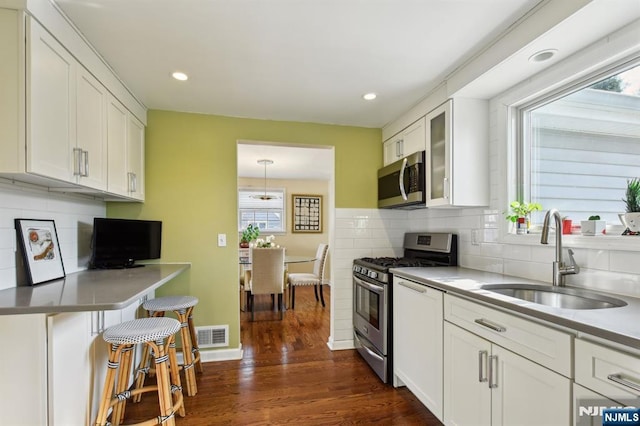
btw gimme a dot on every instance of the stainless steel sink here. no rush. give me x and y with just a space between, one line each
557 297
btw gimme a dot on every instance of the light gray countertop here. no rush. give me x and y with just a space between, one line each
620 324
92 290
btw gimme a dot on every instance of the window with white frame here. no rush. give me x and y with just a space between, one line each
581 146
266 209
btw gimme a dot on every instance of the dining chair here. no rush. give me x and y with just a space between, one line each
316 279
267 276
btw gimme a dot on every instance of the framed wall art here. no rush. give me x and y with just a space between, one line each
307 213
38 241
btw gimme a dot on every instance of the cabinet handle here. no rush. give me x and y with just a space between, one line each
418 288
489 324
133 182
624 382
482 363
85 156
77 162
493 372
445 187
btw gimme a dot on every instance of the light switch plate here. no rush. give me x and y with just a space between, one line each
222 240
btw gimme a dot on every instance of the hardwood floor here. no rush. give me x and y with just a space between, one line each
289 376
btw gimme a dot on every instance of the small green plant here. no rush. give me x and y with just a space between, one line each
250 233
594 217
632 202
521 209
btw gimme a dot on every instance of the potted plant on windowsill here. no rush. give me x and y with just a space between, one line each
631 219
519 215
250 233
593 226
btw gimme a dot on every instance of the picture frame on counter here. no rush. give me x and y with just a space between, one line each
307 214
38 241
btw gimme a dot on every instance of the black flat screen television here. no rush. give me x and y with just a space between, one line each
118 243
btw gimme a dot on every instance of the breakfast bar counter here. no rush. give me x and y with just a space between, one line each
91 290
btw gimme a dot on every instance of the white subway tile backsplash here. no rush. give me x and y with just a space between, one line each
7 278
492 250
487 264
73 216
535 271
7 258
622 261
517 252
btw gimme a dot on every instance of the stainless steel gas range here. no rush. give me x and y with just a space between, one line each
373 295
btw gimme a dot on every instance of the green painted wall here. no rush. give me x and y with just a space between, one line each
191 185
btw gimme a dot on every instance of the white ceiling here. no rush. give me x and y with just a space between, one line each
288 162
312 60
292 60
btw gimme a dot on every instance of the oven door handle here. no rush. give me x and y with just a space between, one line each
369 351
375 288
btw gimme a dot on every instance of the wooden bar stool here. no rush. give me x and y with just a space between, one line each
182 306
158 334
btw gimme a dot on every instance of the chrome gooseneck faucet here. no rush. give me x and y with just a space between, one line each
559 268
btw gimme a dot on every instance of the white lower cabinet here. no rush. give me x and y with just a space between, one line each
69 364
588 405
467 397
417 340
485 384
608 371
55 365
503 369
24 370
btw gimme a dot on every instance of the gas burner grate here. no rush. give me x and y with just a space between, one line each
392 262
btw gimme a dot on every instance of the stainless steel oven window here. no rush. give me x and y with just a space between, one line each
367 304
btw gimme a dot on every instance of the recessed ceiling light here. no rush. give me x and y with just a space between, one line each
543 55
180 76
369 96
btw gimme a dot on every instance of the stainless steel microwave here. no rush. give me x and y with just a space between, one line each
401 184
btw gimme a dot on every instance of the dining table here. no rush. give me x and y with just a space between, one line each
287 259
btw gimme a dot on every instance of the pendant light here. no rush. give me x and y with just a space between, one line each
265 196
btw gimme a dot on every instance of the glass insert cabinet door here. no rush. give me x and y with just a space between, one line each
439 155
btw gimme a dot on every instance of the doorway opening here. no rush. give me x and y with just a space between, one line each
293 172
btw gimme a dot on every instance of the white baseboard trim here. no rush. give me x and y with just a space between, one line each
339 345
217 355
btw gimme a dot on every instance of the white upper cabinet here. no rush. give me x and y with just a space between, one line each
66 137
54 115
90 157
51 100
135 158
457 160
125 136
410 140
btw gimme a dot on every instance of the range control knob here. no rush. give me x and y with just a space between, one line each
373 274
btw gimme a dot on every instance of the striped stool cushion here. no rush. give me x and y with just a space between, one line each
170 303
141 330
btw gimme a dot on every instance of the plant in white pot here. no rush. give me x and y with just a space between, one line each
632 204
593 226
